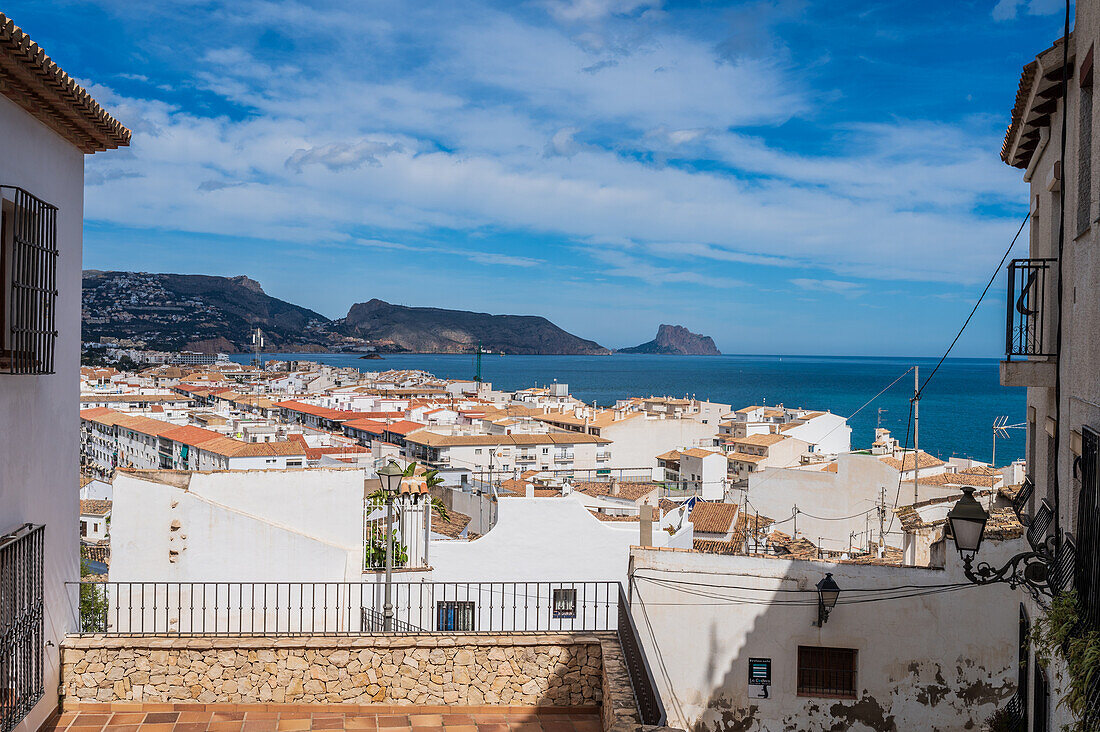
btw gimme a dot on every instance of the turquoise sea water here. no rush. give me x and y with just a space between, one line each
957 408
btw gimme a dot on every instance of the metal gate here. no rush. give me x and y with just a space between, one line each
21 639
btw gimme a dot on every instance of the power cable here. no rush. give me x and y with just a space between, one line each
989 284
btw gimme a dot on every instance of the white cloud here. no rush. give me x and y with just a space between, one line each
337 156
835 287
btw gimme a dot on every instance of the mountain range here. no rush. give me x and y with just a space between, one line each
218 314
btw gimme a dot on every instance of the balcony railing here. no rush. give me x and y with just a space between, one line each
1028 325
21 623
180 609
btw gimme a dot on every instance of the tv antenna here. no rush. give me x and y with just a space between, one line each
1000 429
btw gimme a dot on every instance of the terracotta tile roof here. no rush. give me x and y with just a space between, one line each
670 455
627 491
453 527
744 457
94 507
714 546
906 463
38 85
698 452
404 427
765 440
713 518
435 439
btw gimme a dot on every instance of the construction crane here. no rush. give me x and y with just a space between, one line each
257 347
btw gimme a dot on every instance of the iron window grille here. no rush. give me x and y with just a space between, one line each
827 672
455 616
1087 566
21 632
565 603
1026 317
28 268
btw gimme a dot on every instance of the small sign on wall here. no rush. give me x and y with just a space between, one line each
760 678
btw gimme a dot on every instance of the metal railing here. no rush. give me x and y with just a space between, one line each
1026 317
32 279
1023 496
21 623
180 609
648 698
1040 524
412 525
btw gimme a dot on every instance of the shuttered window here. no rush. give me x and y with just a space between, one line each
21 616
28 282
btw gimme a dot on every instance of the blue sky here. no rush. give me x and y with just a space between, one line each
788 177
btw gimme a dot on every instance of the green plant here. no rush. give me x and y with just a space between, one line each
1060 631
93 604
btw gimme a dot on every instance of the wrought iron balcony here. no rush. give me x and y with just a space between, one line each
1030 327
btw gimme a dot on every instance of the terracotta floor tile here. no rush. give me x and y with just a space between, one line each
157 727
161 717
388 720
225 725
526 726
266 714
91 719
556 724
453 719
588 725
122 728
325 723
190 726
126 718
292 725
361 721
195 717
259 725
84 728
461 728
426 720
293 715
492 727
228 716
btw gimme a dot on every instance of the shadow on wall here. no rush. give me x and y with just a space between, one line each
942 691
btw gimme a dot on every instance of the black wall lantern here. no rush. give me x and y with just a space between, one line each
827 594
1031 570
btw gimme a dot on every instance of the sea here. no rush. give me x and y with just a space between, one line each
958 407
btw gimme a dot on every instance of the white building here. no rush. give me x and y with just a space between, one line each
47 124
893 653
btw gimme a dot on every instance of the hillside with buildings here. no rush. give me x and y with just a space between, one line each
209 314
194 312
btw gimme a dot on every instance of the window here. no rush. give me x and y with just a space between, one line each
546 451
565 603
294 463
28 282
455 615
83 528
477 450
827 672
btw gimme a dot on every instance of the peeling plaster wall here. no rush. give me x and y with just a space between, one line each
943 661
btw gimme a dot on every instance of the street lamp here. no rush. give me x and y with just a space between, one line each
967 520
828 591
390 477
1032 570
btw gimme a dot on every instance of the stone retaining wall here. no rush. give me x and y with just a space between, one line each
516 670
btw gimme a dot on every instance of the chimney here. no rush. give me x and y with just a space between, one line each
529 490
614 487
645 525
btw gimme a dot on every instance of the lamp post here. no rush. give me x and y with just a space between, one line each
1032 570
828 591
390 477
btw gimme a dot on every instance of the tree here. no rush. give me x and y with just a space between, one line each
93 603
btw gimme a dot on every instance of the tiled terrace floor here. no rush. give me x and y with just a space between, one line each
287 718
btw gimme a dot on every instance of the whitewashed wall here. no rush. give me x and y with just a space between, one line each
40 449
940 661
